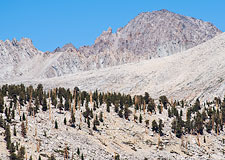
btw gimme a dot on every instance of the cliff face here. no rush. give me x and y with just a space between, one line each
149 35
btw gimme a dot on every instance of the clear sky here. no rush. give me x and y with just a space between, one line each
53 23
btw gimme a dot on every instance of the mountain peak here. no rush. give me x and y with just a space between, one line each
69 47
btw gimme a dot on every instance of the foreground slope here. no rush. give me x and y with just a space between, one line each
105 126
197 72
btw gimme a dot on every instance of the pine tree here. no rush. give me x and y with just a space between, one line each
65 120
108 107
160 127
21 153
146 97
199 123
1 103
24 118
8 136
164 101
44 106
94 127
14 131
140 119
96 121
1 121
120 113
88 122
116 107
155 126
78 151
23 130
67 106
52 157
101 117
126 112
56 124
169 113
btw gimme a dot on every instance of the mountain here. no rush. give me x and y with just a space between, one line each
149 35
195 73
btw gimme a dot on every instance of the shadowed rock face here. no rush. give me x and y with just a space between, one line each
149 35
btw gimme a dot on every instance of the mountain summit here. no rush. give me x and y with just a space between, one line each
154 34
149 35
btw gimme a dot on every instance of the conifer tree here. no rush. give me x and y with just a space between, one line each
120 113
94 127
44 106
14 130
116 107
56 124
23 129
8 136
108 107
21 153
1 103
101 117
160 127
140 119
65 120
127 112
155 126
96 121
24 118
67 106
78 151
199 123
164 101
88 122
1 121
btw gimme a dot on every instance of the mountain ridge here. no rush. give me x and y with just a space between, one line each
148 35
195 73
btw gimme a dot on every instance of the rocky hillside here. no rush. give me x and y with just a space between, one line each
149 35
197 72
74 124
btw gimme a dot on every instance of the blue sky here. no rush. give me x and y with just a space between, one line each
53 23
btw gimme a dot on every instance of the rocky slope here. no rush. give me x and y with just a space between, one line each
197 72
149 35
129 138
